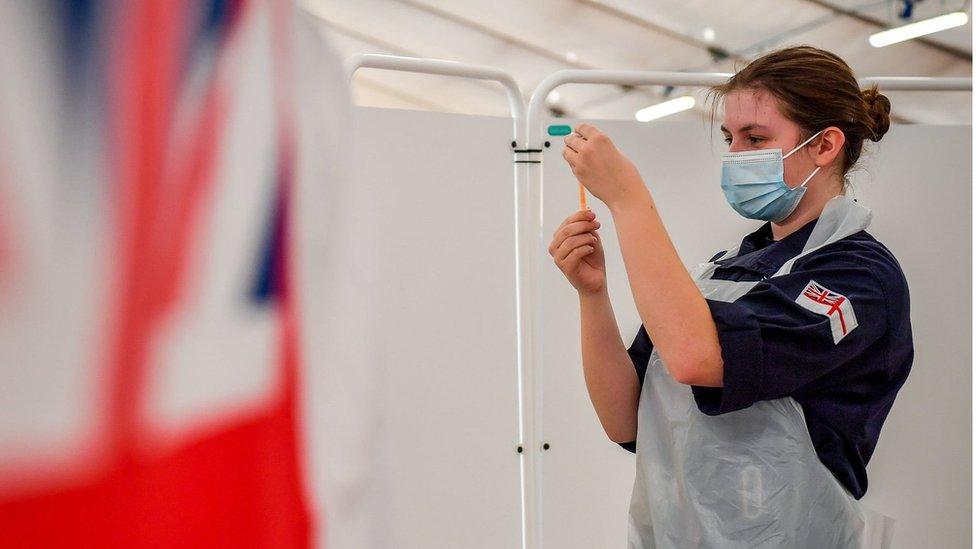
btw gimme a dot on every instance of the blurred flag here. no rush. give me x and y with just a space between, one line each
154 386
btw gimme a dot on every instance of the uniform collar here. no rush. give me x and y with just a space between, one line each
759 252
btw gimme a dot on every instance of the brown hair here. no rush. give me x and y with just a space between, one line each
815 89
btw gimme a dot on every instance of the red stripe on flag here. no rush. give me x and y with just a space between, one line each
143 88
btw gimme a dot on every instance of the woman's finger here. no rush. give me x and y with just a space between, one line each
579 253
586 131
570 155
579 215
573 141
578 227
560 234
571 244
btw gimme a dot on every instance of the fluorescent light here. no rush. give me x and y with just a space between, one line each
920 28
554 96
664 109
709 34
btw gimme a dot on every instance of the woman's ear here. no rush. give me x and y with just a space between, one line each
829 146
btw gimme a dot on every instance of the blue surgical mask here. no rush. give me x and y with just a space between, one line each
753 183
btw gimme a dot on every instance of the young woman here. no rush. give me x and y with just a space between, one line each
765 374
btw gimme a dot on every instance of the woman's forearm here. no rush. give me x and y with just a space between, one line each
674 313
611 379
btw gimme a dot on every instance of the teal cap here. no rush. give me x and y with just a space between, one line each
560 130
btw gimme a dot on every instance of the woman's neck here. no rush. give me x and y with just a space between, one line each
810 206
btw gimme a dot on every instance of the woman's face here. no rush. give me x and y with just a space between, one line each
752 121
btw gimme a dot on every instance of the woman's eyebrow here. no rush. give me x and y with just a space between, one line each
747 128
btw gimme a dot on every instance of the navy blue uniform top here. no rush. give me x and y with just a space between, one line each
772 346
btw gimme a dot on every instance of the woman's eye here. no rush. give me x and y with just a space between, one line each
752 139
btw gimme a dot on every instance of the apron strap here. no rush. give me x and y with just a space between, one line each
841 217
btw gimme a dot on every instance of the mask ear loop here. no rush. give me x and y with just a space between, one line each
802 144
809 177
805 181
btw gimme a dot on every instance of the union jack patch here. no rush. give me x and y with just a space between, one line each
833 305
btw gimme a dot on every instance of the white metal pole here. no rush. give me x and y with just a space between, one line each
443 67
527 215
535 139
918 83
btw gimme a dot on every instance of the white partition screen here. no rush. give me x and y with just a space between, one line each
447 342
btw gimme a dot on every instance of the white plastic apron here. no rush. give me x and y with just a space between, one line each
749 478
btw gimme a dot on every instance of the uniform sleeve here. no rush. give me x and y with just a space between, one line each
792 329
640 354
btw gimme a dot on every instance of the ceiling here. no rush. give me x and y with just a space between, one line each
531 39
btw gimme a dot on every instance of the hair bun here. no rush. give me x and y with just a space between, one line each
878 107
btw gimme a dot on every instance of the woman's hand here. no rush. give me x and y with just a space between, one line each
605 171
578 252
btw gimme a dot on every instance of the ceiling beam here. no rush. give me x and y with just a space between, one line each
716 51
854 14
510 39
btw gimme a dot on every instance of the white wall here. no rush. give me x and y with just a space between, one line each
448 340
